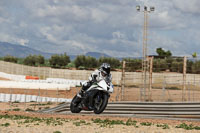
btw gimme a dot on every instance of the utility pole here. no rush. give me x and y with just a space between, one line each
145 58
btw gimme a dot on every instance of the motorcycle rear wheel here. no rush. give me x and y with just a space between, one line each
102 105
74 105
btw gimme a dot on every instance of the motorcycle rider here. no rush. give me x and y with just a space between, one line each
102 73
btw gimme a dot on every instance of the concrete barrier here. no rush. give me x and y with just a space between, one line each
30 85
29 98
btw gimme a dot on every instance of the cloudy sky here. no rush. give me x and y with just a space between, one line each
113 27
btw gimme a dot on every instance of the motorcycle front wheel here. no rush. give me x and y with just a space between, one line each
74 105
100 103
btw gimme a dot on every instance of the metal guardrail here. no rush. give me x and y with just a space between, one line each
173 110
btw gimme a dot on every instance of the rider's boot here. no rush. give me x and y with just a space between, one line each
83 89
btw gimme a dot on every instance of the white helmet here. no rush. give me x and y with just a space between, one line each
105 68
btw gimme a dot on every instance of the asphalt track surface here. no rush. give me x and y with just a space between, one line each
159 110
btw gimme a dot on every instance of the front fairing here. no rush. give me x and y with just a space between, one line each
102 85
111 88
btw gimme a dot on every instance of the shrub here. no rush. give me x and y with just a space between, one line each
71 65
160 65
133 64
196 67
177 66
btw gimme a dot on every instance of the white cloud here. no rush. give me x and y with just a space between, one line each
12 39
22 41
188 6
99 16
4 20
118 35
113 26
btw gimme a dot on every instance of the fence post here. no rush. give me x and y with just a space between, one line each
38 72
150 77
37 99
189 88
25 99
10 98
184 78
163 89
194 83
118 87
39 95
57 94
46 95
123 80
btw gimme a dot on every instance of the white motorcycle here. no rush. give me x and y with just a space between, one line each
96 97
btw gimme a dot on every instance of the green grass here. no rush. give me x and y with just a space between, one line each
167 88
110 123
28 109
61 103
130 122
173 88
164 126
16 102
28 121
43 104
57 132
5 125
188 127
46 107
107 122
16 109
146 124
33 120
81 122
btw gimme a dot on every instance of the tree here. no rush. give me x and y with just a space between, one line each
40 60
65 59
58 61
168 54
160 52
91 62
194 55
10 58
163 53
54 60
30 60
79 61
83 61
34 60
115 63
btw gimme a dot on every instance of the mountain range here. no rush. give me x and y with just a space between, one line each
23 51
